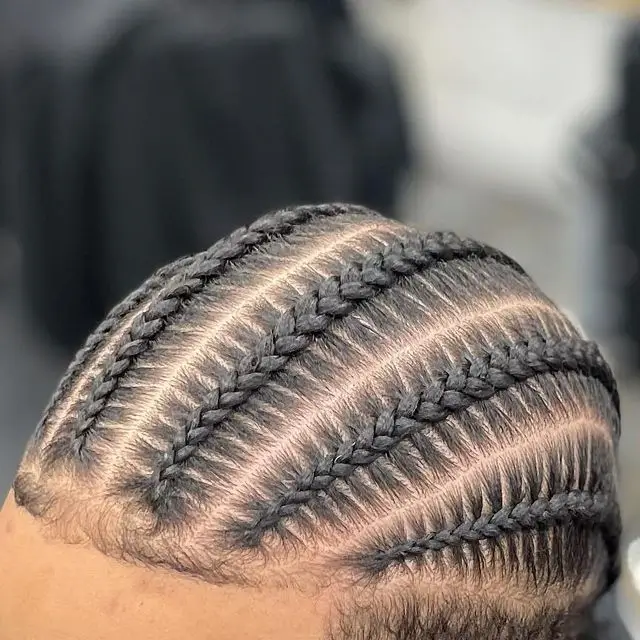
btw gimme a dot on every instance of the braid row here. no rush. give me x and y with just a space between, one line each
452 392
295 329
109 324
593 508
182 282
113 320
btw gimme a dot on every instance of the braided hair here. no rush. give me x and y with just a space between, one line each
330 396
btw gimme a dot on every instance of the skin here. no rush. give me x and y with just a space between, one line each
56 591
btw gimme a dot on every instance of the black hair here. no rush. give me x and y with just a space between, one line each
331 397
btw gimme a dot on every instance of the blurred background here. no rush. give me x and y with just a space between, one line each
135 131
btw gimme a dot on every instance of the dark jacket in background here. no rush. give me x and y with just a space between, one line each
175 125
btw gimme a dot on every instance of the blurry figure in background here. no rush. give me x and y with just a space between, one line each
623 173
329 425
151 131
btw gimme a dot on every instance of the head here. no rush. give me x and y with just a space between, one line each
328 425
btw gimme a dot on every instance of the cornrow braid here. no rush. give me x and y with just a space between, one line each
453 391
356 403
293 332
542 513
114 318
187 279
108 325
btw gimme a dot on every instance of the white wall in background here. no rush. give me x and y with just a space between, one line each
497 86
498 93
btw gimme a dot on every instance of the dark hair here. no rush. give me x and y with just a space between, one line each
330 396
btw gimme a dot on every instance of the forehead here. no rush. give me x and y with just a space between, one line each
53 590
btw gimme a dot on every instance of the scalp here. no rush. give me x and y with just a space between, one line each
331 396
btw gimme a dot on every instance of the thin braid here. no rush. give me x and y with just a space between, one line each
153 284
108 325
296 328
561 508
452 392
187 281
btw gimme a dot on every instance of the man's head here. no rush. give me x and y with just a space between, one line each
327 425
